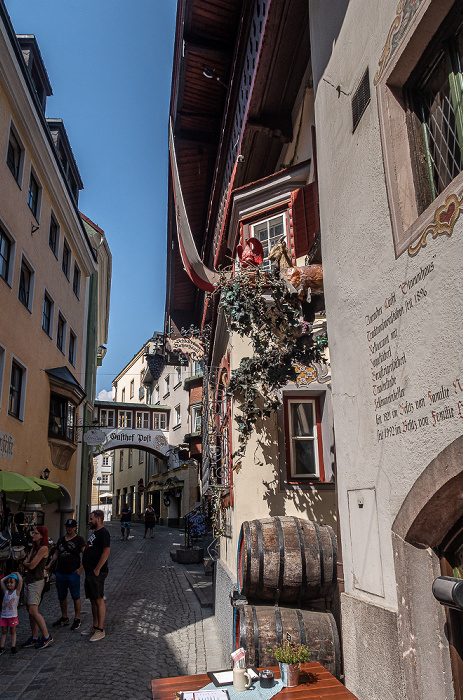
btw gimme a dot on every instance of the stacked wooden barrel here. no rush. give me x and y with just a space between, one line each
292 561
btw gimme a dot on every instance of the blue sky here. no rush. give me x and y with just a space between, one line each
110 64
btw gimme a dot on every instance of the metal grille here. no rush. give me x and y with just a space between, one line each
361 99
216 462
440 129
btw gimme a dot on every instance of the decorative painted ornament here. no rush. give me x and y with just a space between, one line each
251 254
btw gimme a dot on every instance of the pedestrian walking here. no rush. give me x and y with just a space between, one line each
11 588
68 570
34 582
95 561
150 520
126 520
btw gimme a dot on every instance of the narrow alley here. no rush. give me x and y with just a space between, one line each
155 627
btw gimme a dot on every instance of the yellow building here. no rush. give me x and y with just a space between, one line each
46 261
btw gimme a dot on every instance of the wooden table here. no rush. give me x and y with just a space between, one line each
315 683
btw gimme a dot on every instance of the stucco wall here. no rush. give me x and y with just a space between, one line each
395 340
21 334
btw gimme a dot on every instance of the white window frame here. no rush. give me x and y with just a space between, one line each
67 273
33 173
7 233
178 376
2 370
196 414
105 479
130 458
30 301
142 418
124 419
132 388
52 313
54 218
157 394
177 416
105 461
160 421
267 265
123 395
166 385
315 438
65 330
104 419
76 287
72 334
22 399
22 157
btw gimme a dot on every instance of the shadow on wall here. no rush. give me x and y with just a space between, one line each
321 56
319 506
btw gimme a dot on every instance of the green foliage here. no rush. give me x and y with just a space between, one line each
259 306
287 652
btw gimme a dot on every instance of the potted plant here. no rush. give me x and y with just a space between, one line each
290 655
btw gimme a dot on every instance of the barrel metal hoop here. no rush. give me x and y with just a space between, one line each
322 563
334 545
336 647
303 555
260 554
302 633
256 636
248 557
242 619
278 625
281 544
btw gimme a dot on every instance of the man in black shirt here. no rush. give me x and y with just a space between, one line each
68 571
95 560
126 521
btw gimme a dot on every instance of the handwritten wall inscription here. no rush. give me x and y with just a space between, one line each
397 410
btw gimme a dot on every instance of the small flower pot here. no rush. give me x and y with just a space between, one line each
289 674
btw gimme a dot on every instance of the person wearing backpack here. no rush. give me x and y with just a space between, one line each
68 570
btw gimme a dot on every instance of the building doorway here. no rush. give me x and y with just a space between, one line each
451 561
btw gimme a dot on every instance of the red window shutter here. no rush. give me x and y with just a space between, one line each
305 217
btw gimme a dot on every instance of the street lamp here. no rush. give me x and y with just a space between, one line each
98 478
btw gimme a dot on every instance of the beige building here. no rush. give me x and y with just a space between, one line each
46 263
167 479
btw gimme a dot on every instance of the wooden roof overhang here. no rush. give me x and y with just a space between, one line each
278 80
215 35
205 42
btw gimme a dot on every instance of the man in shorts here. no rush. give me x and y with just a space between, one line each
126 521
95 561
68 571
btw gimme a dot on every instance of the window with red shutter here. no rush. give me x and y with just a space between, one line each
305 218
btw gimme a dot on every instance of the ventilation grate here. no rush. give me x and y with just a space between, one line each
361 99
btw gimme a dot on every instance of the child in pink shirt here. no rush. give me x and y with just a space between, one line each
11 588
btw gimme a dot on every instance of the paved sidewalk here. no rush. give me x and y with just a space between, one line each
155 628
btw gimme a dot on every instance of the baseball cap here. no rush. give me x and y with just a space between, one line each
71 523
12 576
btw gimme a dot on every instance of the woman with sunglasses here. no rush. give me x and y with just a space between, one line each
34 582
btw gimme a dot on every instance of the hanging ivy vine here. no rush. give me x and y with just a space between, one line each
259 306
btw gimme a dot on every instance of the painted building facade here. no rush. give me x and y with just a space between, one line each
382 91
47 263
167 478
245 167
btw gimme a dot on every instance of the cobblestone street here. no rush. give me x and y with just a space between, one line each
155 627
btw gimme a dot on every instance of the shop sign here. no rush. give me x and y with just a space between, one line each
6 445
188 346
94 437
134 437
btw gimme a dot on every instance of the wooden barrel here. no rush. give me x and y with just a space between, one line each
257 628
286 560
